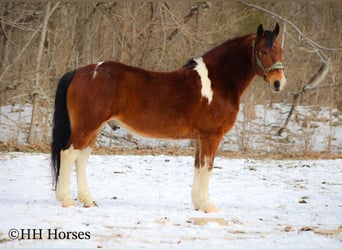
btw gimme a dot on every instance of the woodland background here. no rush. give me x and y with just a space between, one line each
40 41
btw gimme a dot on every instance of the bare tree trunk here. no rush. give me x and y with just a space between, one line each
313 83
32 138
6 40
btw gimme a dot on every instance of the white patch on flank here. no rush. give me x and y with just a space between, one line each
202 71
95 70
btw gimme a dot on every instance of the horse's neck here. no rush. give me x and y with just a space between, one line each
234 62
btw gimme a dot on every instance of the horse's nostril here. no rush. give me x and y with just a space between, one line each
277 85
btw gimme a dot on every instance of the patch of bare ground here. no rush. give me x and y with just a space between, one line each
201 221
325 232
172 151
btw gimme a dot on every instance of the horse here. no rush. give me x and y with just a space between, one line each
199 101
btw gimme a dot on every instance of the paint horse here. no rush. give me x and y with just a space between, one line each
198 101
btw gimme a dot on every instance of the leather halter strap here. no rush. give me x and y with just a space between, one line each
274 66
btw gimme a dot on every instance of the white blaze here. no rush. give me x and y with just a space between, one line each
202 71
282 81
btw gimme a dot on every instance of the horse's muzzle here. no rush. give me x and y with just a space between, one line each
278 82
276 86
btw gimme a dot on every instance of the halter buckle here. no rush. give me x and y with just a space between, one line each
274 66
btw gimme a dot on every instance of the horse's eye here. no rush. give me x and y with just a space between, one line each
263 52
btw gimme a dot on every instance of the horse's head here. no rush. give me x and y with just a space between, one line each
268 57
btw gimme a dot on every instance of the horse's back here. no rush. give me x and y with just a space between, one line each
155 104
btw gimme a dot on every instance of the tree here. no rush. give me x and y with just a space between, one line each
37 91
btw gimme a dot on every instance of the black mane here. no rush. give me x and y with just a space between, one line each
191 64
270 37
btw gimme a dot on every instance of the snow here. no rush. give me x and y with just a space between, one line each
311 129
144 201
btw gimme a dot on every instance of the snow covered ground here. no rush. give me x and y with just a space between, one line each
311 129
144 201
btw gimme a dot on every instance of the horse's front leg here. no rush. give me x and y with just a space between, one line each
196 183
200 189
204 159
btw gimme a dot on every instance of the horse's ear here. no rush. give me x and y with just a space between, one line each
260 30
276 30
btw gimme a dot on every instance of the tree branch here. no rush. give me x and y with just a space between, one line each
313 83
308 40
317 48
193 12
20 53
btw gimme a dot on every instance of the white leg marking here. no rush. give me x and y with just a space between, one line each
202 71
95 70
195 188
199 193
68 157
83 191
204 178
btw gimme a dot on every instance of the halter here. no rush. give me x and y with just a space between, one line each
276 65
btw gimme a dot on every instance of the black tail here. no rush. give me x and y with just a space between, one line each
61 125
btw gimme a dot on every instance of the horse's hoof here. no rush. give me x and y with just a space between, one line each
196 208
92 204
211 209
68 203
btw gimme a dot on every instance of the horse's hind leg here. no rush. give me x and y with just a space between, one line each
83 194
78 153
68 157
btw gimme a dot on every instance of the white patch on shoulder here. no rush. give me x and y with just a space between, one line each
95 70
202 71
